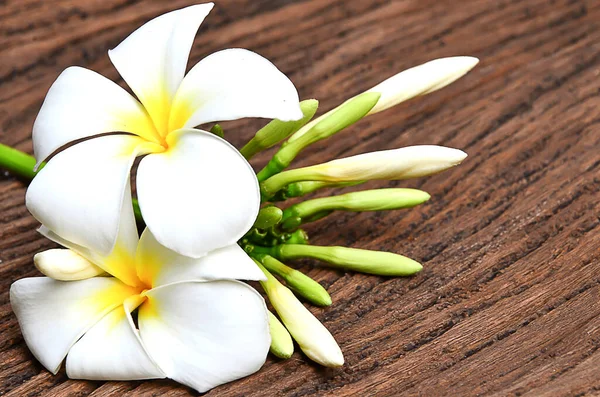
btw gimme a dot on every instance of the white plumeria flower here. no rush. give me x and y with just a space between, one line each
195 323
196 192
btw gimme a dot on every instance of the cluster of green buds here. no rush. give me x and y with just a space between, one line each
277 236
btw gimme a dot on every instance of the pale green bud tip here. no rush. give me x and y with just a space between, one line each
282 345
268 217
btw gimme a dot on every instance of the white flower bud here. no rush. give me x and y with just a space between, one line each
65 265
421 80
312 336
402 163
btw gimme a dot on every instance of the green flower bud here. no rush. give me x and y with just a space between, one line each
298 237
325 126
282 345
297 281
368 200
268 217
278 130
365 261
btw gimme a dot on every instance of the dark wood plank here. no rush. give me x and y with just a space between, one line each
508 303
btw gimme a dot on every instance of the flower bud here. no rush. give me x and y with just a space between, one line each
403 163
312 337
421 80
278 130
65 265
368 200
365 261
297 281
268 217
298 237
323 127
282 345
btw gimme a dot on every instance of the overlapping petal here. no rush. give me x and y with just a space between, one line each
152 60
54 314
158 265
204 334
233 84
82 103
198 196
79 194
111 350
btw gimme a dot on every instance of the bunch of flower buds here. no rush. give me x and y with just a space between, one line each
277 237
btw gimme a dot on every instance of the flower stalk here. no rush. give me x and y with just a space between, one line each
17 162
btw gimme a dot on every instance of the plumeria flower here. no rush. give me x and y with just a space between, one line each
195 323
196 192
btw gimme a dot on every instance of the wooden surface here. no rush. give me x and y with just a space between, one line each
509 300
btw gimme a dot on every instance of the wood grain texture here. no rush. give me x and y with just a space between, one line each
509 300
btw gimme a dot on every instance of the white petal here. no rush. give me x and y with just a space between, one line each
111 350
232 84
158 265
204 334
152 60
54 314
79 194
120 262
81 103
421 80
65 265
198 196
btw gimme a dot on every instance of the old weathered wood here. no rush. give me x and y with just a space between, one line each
509 301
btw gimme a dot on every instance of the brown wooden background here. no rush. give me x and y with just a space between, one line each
508 303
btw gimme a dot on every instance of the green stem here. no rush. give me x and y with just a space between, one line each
18 163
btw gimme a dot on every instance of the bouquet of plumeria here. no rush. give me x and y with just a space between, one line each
169 303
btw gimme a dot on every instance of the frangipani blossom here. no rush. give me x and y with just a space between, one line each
195 323
196 192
